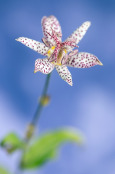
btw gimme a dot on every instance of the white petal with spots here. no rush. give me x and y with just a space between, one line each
48 24
44 66
83 60
78 34
35 45
64 74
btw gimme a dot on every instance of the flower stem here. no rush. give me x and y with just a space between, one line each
32 124
39 108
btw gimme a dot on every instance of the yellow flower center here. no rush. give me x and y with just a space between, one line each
61 54
50 51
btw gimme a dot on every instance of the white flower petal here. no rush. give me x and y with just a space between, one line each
64 74
44 66
78 34
35 45
48 24
83 60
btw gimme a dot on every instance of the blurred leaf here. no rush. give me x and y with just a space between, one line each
45 147
12 142
3 171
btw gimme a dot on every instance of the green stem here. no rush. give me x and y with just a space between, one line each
32 125
40 106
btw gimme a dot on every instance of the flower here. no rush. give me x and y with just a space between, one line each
60 54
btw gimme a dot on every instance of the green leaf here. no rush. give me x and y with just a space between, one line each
44 148
12 142
3 171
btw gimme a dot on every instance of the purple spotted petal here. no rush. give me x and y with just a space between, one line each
35 45
44 66
48 24
78 34
64 74
83 60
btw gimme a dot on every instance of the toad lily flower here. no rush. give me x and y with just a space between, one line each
60 54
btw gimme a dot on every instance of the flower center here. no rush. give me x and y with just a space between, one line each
61 54
54 58
50 51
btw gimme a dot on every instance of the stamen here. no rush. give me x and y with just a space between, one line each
65 50
54 36
55 63
70 43
53 47
61 54
50 51
46 42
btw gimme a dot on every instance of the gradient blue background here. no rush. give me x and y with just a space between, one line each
89 105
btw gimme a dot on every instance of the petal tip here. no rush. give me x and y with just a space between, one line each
35 71
100 63
71 83
88 23
51 16
43 19
18 39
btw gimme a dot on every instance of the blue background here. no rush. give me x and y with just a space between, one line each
89 105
